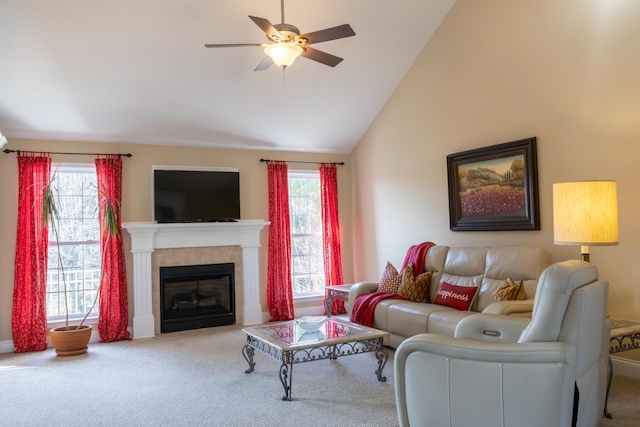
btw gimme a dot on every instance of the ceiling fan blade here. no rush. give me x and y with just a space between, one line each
266 63
266 26
234 45
339 32
321 57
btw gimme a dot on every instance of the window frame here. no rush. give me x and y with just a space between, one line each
67 167
311 296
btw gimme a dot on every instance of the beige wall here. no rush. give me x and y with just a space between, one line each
136 204
496 71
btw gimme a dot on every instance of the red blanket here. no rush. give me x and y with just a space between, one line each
415 255
365 304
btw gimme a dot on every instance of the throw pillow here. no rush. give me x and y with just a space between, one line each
415 288
458 297
390 280
509 291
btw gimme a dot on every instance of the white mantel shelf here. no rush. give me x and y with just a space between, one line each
148 236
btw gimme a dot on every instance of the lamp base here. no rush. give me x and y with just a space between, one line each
584 253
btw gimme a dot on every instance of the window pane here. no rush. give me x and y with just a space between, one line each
306 234
299 224
89 207
90 230
297 187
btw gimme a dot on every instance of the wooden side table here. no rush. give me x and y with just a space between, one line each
625 335
337 292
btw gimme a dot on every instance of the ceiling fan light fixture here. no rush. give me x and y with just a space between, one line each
283 54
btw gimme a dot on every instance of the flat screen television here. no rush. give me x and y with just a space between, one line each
196 195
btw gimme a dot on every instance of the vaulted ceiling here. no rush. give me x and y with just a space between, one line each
138 71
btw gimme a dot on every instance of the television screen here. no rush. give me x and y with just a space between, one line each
196 196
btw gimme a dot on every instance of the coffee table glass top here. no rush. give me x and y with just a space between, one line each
334 330
621 327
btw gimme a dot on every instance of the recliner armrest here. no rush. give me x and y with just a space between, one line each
465 349
491 328
522 308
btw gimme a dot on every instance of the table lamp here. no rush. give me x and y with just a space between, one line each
585 213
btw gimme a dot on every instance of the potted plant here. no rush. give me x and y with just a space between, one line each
71 340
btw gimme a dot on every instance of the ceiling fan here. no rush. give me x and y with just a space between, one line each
287 43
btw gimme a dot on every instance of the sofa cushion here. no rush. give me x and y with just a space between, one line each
390 280
520 263
415 288
408 318
458 297
444 322
380 313
509 291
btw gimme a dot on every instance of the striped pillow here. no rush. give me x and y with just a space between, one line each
509 291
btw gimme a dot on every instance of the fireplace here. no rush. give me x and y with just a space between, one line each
197 296
148 238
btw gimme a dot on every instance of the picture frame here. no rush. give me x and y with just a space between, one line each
494 188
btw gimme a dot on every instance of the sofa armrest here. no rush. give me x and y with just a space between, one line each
359 289
491 328
520 308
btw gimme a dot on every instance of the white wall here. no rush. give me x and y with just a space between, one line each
564 71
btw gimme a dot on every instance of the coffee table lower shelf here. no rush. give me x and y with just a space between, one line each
290 357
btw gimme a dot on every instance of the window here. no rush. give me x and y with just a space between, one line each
307 272
78 240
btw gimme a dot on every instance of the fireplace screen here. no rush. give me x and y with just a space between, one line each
196 296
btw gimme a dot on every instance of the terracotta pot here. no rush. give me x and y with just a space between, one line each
72 341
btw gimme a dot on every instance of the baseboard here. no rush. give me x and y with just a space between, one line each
626 367
7 346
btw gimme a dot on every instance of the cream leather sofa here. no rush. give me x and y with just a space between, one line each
485 267
549 371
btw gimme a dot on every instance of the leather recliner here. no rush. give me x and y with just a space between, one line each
504 371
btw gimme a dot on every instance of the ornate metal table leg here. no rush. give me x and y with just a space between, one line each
606 399
286 374
382 355
247 352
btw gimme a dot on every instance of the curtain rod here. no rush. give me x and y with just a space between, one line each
71 154
299 161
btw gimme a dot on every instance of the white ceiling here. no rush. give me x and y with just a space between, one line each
138 72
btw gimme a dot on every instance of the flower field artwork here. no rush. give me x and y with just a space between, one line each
494 188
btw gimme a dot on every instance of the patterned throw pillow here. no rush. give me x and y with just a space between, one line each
415 288
390 280
509 291
458 297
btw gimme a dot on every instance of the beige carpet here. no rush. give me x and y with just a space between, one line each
196 378
192 378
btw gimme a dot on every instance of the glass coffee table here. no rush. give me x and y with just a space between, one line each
289 344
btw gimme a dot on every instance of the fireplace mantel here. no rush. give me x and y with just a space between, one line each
148 236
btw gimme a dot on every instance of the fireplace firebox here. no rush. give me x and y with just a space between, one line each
197 296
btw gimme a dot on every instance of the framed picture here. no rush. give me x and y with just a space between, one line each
494 188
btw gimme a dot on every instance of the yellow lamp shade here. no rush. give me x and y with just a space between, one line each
283 54
585 213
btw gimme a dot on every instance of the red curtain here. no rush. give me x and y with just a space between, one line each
29 315
114 307
279 289
331 230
